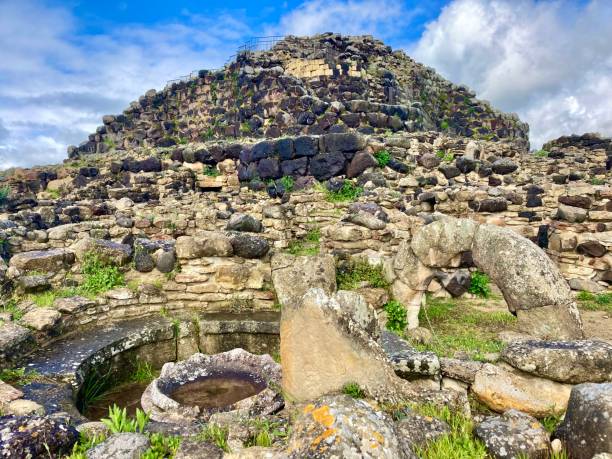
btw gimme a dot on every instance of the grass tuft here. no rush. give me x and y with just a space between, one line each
382 158
353 390
396 316
352 274
216 435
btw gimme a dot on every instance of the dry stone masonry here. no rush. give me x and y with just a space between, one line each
225 208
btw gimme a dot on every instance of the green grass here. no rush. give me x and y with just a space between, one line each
119 422
19 376
98 275
592 302
85 443
541 154
162 447
458 444
351 275
396 316
287 182
349 192
143 372
445 156
5 192
266 433
382 158
10 305
353 390
479 285
210 171
44 299
550 423
597 181
310 245
216 435
459 327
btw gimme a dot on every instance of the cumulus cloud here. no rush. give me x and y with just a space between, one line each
382 18
55 84
551 62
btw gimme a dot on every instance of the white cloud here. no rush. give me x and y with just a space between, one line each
550 61
377 17
56 84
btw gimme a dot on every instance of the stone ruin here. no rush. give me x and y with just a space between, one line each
216 200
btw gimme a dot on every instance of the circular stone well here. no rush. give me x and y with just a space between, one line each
202 385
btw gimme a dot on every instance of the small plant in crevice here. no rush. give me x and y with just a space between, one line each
162 447
288 183
350 275
310 245
541 154
5 192
85 443
479 285
143 372
353 390
348 192
119 422
446 156
19 376
382 158
216 435
99 275
265 433
396 316
211 171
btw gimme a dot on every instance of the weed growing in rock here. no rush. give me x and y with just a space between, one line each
5 191
19 376
351 275
118 421
85 443
396 316
143 372
550 423
382 157
210 171
162 447
445 156
265 433
597 181
541 154
308 246
99 276
348 192
288 183
458 444
479 285
353 390
44 299
215 434
10 306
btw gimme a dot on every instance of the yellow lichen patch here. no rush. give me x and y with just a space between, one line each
326 434
308 408
379 440
322 416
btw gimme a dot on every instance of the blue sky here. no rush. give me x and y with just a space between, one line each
64 64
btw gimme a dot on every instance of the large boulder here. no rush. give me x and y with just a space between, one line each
502 390
293 276
109 251
43 260
248 245
571 362
529 281
35 436
586 429
513 435
15 341
323 348
339 426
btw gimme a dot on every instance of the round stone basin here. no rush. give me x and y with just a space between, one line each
202 385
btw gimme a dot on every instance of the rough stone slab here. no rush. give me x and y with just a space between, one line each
462 370
120 446
502 390
8 393
512 435
42 260
572 362
416 430
407 362
63 358
15 341
587 427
